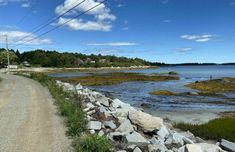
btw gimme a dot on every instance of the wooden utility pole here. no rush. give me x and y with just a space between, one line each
8 57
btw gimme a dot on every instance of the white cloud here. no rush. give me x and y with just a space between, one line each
184 49
120 5
17 37
166 21
25 5
6 2
198 38
101 15
79 24
232 4
113 44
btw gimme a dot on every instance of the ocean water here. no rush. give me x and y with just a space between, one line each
137 93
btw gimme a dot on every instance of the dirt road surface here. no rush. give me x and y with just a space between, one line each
29 122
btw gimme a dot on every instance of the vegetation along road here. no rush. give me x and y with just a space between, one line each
28 119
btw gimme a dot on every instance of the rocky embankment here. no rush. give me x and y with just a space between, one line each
131 129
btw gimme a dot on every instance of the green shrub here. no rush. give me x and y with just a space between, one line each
93 143
215 129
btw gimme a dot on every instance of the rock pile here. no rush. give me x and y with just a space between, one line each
133 130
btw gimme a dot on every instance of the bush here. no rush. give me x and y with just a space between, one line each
215 129
93 143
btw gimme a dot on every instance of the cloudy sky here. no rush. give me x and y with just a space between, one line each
171 31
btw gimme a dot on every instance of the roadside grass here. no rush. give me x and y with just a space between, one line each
214 86
213 130
70 106
116 78
93 143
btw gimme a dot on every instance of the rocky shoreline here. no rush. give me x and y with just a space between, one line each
131 129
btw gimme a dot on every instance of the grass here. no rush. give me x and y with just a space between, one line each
115 78
214 86
213 130
70 106
163 92
93 143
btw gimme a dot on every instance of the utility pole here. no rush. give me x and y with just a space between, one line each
8 57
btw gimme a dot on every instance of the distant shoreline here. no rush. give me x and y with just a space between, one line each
58 70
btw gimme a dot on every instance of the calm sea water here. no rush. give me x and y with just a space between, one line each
137 93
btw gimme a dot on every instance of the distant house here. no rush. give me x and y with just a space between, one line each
92 61
88 60
102 60
26 63
12 67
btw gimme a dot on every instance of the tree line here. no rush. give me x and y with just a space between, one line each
43 58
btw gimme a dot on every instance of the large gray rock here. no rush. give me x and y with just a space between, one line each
137 149
227 145
177 139
136 138
94 125
146 121
125 127
115 136
209 147
79 87
104 101
109 124
193 148
116 103
163 132
156 148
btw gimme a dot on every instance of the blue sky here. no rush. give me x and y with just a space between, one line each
171 31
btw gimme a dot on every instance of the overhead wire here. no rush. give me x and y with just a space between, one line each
50 21
60 25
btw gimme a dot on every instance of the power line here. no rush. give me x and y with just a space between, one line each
49 21
27 13
64 23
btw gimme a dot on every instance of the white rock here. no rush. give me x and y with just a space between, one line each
94 125
193 148
125 127
146 121
209 147
227 145
116 103
115 135
79 87
156 148
104 101
177 139
109 124
136 138
131 147
163 132
101 133
137 149
91 112
92 131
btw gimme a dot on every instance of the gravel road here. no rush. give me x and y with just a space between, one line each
29 122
